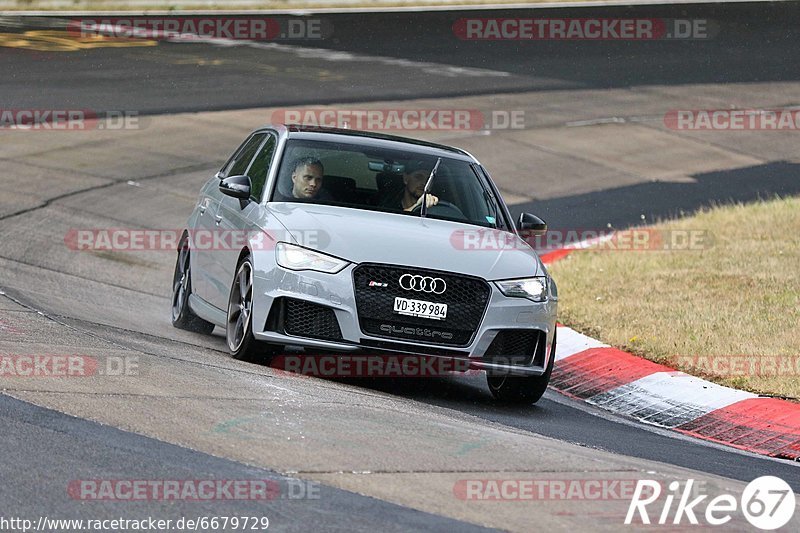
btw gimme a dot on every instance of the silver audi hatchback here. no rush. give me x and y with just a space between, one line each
345 241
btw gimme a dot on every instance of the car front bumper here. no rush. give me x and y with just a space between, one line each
336 291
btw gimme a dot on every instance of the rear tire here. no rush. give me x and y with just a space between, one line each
523 390
182 315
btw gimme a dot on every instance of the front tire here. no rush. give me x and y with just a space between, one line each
239 325
522 390
182 316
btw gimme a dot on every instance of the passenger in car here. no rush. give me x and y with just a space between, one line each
409 197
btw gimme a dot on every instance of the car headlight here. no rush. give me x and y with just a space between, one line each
531 288
296 258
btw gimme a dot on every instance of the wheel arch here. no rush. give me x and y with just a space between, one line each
244 253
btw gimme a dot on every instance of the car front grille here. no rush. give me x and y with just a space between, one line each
517 347
466 298
306 319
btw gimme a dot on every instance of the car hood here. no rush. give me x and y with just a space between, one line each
363 236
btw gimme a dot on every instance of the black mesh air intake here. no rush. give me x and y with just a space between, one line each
519 347
306 319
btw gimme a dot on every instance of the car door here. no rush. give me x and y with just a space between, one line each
234 220
207 242
203 225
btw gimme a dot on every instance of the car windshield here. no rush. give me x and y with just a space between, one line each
382 179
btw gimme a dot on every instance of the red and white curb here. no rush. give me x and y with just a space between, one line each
625 384
550 256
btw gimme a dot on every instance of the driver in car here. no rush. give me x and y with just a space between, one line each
414 178
307 177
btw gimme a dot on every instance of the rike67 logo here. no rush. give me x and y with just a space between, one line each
767 503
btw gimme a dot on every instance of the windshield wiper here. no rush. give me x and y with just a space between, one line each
491 204
424 209
488 197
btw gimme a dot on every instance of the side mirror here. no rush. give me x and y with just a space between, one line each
529 222
236 187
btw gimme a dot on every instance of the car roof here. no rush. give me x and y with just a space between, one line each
300 131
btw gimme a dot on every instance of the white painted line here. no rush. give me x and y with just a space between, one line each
571 342
434 69
333 10
668 399
596 121
439 69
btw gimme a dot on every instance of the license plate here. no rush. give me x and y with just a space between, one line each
420 308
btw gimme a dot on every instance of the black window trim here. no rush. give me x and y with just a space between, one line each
502 208
221 172
231 160
267 133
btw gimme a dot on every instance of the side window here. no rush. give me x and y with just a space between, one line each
260 168
241 160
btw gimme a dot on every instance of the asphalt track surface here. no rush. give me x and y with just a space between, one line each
396 56
45 445
756 43
68 446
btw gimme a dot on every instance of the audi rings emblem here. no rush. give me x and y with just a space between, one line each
422 284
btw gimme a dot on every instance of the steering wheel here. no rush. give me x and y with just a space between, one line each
442 208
